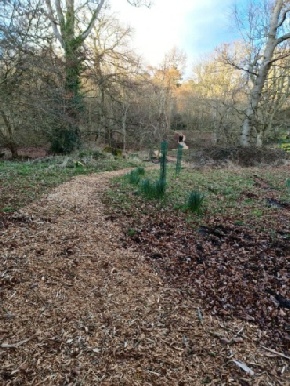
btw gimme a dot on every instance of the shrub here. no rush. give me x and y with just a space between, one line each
108 149
117 152
84 153
97 154
65 139
113 150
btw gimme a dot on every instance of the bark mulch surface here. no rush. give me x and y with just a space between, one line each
79 307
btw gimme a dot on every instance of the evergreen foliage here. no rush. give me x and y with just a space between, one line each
65 139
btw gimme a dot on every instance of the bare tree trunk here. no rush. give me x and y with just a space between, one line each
13 148
124 127
102 117
259 141
10 143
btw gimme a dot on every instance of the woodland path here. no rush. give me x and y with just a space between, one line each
80 309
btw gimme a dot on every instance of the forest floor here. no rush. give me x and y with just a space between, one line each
82 304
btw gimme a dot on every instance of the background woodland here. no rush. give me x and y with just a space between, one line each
69 78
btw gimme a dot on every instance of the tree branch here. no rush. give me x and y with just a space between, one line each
85 34
283 38
138 3
56 32
283 17
58 11
237 67
280 57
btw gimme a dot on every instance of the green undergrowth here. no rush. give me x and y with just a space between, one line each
23 182
200 195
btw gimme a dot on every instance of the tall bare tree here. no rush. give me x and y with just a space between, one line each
22 38
67 19
168 77
275 99
265 44
216 93
111 77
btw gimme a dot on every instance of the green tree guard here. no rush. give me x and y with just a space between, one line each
178 160
163 161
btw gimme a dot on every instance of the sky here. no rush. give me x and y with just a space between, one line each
194 26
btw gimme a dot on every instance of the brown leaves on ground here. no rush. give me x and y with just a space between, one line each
81 308
234 271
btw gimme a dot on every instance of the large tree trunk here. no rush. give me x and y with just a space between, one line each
64 27
13 148
247 129
250 121
72 64
8 135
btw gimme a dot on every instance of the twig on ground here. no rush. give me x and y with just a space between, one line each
276 352
199 315
17 344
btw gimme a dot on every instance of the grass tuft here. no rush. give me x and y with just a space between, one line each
195 201
134 176
140 171
153 190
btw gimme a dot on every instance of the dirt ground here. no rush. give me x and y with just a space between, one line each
79 309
